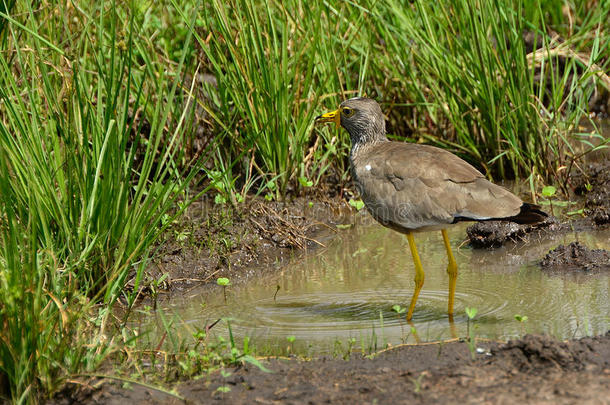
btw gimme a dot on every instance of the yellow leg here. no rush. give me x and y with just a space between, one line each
452 271
419 275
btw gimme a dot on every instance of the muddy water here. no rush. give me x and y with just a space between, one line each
346 291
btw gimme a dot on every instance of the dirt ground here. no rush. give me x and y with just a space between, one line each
576 257
242 242
535 369
532 370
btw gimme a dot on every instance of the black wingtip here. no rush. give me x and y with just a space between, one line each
529 214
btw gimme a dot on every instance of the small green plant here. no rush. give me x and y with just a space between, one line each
471 313
224 283
351 342
224 389
305 182
154 286
223 184
521 319
417 382
385 343
548 192
237 357
356 203
398 309
373 342
290 340
337 347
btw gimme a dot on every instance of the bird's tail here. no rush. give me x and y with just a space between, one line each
529 214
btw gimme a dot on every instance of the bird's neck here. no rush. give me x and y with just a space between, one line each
364 141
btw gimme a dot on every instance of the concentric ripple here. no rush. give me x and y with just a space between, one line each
349 289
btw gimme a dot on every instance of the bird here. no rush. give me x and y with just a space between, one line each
414 188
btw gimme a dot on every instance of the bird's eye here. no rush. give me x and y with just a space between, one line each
348 112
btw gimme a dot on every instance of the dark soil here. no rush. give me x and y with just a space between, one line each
490 234
532 370
240 242
593 184
595 187
576 257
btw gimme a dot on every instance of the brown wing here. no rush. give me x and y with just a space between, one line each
419 186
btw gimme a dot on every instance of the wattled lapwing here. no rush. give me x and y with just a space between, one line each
413 188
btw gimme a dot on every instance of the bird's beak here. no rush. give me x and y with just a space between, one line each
333 116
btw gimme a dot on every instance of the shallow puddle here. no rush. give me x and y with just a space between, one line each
345 292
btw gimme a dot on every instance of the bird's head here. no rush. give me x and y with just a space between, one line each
361 117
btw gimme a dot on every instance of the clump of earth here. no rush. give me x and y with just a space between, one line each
576 256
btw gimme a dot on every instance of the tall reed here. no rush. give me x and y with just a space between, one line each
274 62
83 187
467 65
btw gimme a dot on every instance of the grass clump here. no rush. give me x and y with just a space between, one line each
494 82
273 62
83 188
466 65
261 87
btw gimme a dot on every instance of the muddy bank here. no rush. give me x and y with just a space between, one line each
535 369
492 234
594 185
214 241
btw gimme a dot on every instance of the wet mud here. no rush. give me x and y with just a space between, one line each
594 185
534 370
241 242
490 234
576 256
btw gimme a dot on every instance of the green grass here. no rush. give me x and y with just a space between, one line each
467 67
100 105
273 62
83 191
455 73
